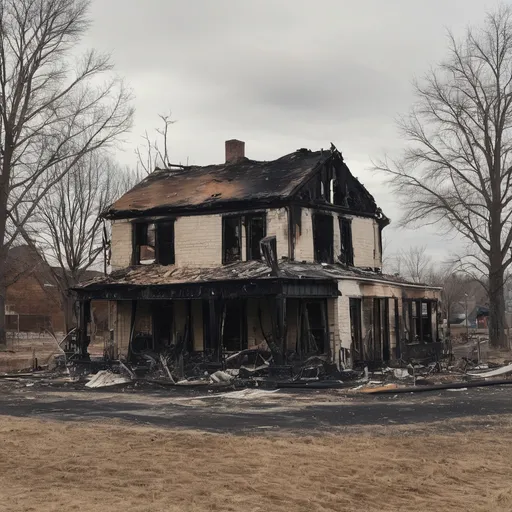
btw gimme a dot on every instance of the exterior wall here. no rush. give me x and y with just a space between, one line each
365 243
304 250
121 244
198 241
348 289
277 224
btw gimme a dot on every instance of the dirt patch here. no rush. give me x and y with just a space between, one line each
49 466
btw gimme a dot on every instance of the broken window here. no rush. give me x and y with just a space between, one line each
144 239
255 226
356 328
323 238
255 231
347 249
153 243
165 243
418 320
231 239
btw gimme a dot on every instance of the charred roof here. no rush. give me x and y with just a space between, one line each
237 183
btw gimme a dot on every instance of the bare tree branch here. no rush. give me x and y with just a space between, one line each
457 170
53 111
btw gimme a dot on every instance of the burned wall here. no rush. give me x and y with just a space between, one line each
367 291
365 238
121 244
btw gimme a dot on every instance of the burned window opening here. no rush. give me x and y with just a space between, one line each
153 243
162 325
356 329
420 324
256 230
165 243
323 238
347 249
144 243
231 239
313 337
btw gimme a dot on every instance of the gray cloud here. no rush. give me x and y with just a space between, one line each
280 74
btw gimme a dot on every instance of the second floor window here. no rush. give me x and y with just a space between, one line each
231 239
153 242
255 230
347 249
323 237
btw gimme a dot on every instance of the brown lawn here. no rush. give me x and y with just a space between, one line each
50 466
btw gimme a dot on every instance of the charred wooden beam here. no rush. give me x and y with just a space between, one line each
84 318
269 251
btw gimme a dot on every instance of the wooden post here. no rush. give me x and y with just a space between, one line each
214 329
84 316
281 325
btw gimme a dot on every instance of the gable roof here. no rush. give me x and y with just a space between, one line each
230 185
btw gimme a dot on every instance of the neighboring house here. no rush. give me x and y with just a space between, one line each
32 298
189 271
33 301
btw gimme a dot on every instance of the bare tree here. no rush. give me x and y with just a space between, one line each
67 227
457 171
455 286
154 153
52 111
413 264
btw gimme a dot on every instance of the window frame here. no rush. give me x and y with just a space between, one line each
316 249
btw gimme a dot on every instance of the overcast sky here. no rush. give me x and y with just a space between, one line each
281 75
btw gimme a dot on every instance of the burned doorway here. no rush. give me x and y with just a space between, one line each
162 324
381 335
234 326
313 333
224 325
356 329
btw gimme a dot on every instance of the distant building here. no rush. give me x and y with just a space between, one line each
33 301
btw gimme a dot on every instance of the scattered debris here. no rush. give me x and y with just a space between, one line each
105 378
493 373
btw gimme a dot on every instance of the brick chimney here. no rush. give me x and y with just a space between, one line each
235 151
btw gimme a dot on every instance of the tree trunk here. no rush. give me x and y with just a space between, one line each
3 292
497 322
68 302
448 333
3 280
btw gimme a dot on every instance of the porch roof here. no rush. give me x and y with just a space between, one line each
160 275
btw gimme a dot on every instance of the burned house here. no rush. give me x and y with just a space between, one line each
282 254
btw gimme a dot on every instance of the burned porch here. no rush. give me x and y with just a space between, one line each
204 314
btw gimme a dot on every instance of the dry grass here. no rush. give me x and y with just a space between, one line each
49 466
